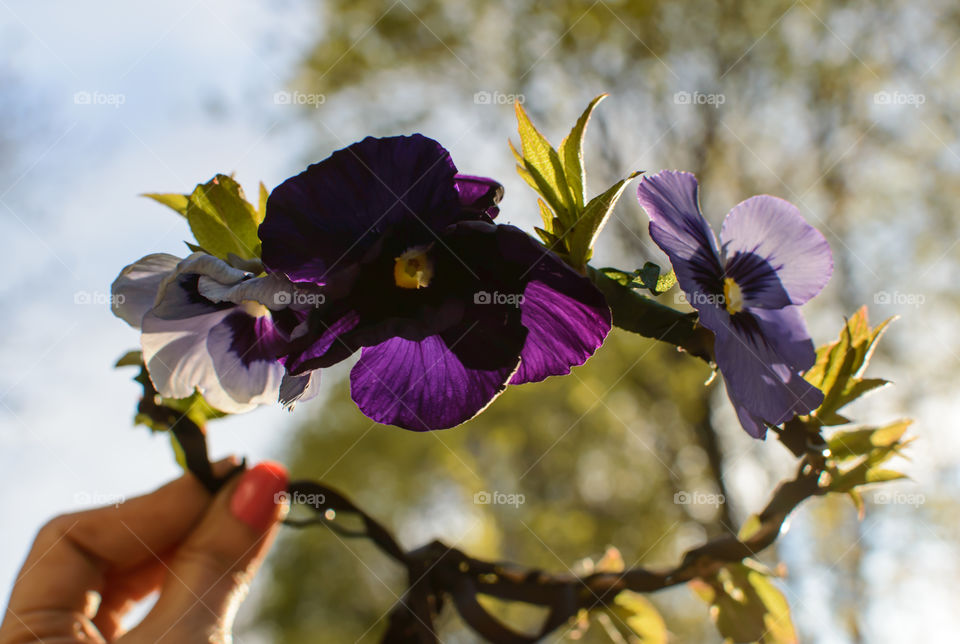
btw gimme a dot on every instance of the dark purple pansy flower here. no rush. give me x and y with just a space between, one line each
747 291
447 307
206 327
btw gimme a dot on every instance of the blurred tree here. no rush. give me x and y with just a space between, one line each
843 108
597 457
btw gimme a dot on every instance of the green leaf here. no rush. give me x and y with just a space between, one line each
179 455
641 616
863 474
878 475
749 527
543 164
857 455
857 499
195 407
559 177
160 414
622 278
591 221
262 209
859 442
549 239
747 607
571 155
637 313
665 283
840 365
222 220
130 359
172 200
550 221
648 278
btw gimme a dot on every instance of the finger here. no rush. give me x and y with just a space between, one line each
74 553
121 593
211 570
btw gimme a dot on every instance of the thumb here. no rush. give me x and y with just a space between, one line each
210 571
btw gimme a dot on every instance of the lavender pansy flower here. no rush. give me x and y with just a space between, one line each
747 291
206 326
446 307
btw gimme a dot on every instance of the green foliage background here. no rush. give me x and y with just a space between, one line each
597 455
800 120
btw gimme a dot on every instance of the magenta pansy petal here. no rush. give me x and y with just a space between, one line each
479 195
422 385
331 214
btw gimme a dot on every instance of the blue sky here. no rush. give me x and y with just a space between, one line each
184 90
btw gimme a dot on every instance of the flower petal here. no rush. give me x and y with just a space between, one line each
774 231
760 384
785 331
243 350
179 294
479 195
175 354
273 291
328 345
422 385
333 212
567 318
294 389
191 343
135 289
679 229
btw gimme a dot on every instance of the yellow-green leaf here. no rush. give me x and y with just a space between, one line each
171 200
262 209
571 155
749 527
641 616
858 442
222 220
591 221
543 164
840 365
747 607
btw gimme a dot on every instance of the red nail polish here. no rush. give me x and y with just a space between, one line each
260 489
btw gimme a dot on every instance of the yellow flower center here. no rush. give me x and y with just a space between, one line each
254 309
732 295
414 268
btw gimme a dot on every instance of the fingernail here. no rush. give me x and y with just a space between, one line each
258 493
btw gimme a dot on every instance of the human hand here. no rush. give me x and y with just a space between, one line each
200 552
